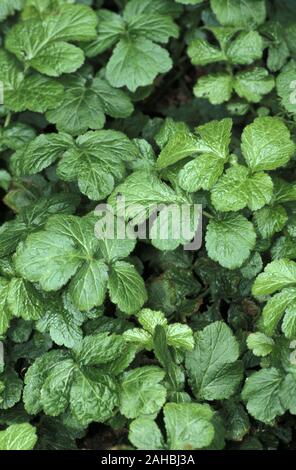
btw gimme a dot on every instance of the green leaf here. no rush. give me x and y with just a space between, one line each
287 397
136 59
24 300
116 103
180 336
126 287
67 248
262 393
62 324
174 374
253 84
110 28
201 52
11 233
12 389
252 267
32 217
212 366
55 391
289 322
213 140
278 50
146 157
93 397
100 348
238 189
8 7
27 91
90 160
246 13
266 144
55 382
188 425
260 191
88 287
46 61
41 152
41 44
18 437
284 247
47 258
5 313
270 220
145 434
237 423
290 32
162 7
260 344
97 162
229 241
230 191
152 25
201 173
127 356
113 250
22 331
36 93
136 63
217 88
224 36
285 85
292 227
167 130
218 443
180 145
215 137
5 180
246 48
275 308
142 193
277 275
174 226
283 190
16 135
35 377
149 319
84 105
141 392
140 337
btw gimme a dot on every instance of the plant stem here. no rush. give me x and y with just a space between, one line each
207 214
7 120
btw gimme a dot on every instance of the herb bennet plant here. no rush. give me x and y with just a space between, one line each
146 343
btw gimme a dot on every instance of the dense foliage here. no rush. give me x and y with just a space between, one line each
141 343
